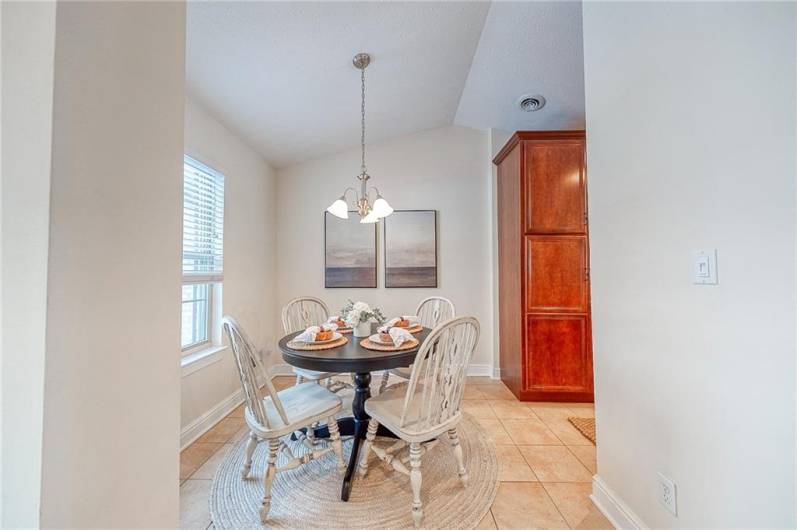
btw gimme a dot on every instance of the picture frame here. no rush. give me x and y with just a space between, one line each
410 249
349 253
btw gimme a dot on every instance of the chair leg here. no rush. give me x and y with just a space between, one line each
299 379
461 471
373 425
415 480
383 384
251 445
337 445
268 478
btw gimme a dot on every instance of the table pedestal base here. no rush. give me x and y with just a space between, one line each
355 426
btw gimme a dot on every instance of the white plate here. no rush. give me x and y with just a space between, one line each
375 338
335 336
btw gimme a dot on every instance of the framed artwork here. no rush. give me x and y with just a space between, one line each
411 248
349 252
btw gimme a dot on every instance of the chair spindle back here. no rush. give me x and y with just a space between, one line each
434 310
440 368
301 313
248 367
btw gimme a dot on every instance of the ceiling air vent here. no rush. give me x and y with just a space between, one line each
531 103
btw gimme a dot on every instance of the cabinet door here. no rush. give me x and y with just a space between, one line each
555 187
556 274
558 357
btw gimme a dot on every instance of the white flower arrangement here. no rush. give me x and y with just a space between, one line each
357 312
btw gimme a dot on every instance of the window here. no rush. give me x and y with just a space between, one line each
203 254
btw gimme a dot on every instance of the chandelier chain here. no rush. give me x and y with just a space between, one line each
362 121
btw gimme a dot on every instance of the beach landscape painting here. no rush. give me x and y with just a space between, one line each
349 252
411 248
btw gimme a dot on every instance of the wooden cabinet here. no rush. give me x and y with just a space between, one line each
544 293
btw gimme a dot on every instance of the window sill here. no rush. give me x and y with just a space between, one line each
201 359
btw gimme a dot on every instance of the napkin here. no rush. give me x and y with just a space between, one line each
399 335
333 319
413 320
309 334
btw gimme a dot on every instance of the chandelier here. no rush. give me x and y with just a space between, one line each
368 210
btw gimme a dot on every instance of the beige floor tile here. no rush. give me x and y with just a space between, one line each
478 409
238 412
208 470
576 507
513 466
530 431
487 522
193 456
472 392
223 431
587 455
583 410
194 510
497 392
569 435
495 431
525 505
555 464
482 380
550 413
282 382
510 410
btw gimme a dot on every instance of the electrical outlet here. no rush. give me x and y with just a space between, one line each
667 494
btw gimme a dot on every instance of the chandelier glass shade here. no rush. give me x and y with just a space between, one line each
369 210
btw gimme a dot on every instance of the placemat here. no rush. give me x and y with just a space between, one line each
313 347
370 345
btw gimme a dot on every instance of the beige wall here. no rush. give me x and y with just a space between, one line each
691 144
112 375
441 169
249 253
28 51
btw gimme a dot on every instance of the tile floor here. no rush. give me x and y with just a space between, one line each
546 464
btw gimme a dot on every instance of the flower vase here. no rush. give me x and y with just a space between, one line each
363 329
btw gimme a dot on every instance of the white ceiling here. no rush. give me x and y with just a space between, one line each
279 74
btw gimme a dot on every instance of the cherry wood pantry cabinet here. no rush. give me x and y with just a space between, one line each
543 255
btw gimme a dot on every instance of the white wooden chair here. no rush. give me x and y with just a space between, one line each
279 414
299 314
431 312
422 410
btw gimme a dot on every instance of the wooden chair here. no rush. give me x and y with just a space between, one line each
279 414
431 312
299 314
422 410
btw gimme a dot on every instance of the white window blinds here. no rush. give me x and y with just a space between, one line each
203 223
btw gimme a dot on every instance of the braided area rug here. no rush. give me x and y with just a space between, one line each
309 496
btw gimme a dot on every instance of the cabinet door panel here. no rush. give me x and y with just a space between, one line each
558 357
556 274
555 187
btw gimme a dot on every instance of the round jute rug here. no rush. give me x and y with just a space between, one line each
309 496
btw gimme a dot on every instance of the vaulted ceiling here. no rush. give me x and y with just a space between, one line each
279 74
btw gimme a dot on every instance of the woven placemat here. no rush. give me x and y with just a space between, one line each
314 347
368 344
585 426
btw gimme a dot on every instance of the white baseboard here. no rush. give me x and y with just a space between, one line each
496 372
480 370
613 507
205 422
281 369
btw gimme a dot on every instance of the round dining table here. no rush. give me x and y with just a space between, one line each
352 358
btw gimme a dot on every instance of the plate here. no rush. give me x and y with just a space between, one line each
335 336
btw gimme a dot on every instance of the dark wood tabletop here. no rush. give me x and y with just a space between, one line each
351 357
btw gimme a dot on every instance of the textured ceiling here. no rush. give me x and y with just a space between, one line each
279 74
527 48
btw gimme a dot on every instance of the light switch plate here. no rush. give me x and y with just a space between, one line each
667 494
704 267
